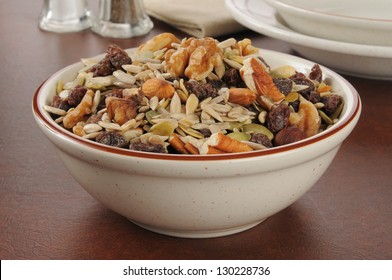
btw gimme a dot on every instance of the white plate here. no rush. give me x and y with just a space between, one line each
354 59
365 22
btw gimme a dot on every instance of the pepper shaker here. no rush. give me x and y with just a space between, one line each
65 16
122 19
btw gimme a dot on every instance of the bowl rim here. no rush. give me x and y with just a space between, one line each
328 16
58 131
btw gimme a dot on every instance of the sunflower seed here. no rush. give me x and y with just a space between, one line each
54 110
92 127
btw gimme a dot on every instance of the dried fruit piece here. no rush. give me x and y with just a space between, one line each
112 138
157 87
289 135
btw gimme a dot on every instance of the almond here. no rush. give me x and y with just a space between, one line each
157 87
242 96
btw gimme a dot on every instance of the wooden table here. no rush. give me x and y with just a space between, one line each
45 214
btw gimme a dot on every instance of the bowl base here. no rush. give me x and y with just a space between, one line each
198 233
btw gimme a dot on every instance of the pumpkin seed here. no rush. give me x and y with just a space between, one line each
150 115
240 136
257 128
192 132
338 111
59 87
163 128
325 117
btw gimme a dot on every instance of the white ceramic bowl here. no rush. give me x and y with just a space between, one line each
371 62
199 196
362 22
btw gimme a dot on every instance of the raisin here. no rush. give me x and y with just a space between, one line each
215 83
118 57
278 117
76 95
60 103
316 73
102 68
232 78
284 85
314 97
206 132
117 92
295 105
112 138
95 118
331 102
300 79
114 59
289 134
262 139
202 91
152 148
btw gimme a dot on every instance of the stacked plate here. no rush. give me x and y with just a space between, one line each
352 37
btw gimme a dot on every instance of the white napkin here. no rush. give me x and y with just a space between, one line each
199 18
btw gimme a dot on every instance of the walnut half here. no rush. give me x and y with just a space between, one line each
122 110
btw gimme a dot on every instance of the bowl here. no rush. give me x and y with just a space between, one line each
366 61
199 196
365 22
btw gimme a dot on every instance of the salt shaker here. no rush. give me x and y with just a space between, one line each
65 16
122 19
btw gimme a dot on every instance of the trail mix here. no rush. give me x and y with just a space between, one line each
193 96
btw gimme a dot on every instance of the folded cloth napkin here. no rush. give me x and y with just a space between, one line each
200 18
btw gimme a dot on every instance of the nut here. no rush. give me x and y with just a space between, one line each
307 119
157 87
83 109
176 61
241 96
258 80
161 41
121 110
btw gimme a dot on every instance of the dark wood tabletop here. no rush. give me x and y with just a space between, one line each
45 214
